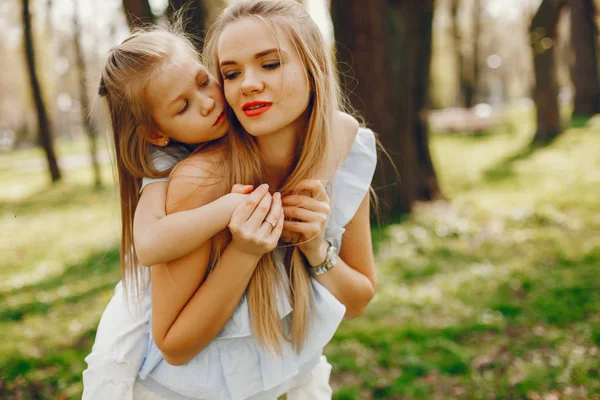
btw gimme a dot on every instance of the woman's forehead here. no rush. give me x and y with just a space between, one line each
249 38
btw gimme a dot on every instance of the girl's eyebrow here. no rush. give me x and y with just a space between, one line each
201 73
257 55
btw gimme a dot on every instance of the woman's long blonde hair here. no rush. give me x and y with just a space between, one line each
129 67
290 18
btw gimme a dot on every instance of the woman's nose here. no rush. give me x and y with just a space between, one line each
251 84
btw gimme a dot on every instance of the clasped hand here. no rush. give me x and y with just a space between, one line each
299 218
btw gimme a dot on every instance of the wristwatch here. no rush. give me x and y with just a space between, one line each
330 261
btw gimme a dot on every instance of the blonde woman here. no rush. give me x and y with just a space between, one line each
257 325
247 322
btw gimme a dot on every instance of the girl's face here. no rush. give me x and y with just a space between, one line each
186 102
265 82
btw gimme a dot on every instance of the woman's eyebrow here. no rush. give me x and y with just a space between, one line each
267 52
257 55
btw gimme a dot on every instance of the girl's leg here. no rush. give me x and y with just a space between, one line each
118 350
316 385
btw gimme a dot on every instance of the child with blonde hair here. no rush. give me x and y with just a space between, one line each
232 319
163 105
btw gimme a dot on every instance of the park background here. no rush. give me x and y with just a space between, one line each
488 256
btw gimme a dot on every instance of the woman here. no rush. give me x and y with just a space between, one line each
279 81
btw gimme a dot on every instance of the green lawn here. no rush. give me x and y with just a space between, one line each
492 296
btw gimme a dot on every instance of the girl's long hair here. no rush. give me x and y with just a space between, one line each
290 18
128 68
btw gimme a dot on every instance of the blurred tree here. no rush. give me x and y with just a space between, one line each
543 30
138 13
387 44
465 65
477 31
83 97
193 14
44 125
584 70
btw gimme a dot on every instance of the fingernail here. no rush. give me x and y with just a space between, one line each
265 185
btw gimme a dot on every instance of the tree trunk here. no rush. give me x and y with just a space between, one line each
428 188
84 100
138 13
193 14
387 45
584 71
545 95
471 95
45 130
458 51
465 66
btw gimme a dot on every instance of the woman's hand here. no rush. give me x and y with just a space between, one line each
256 224
309 211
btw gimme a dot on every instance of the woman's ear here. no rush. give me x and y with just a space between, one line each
152 135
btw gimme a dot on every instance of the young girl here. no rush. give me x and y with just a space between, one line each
279 81
162 103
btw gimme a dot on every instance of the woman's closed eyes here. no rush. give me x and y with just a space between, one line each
268 66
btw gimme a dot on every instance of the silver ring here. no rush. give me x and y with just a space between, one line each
270 223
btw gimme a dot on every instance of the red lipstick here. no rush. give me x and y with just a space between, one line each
254 108
220 119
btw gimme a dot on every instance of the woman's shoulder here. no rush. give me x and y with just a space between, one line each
354 175
352 140
345 129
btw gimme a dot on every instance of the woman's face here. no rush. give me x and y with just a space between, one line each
186 102
265 82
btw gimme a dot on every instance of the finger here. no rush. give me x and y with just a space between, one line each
243 212
306 229
260 212
306 202
241 189
302 214
315 187
276 233
270 221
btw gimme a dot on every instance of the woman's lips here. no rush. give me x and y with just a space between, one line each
220 119
254 108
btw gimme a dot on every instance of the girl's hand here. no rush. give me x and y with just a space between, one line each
309 210
256 224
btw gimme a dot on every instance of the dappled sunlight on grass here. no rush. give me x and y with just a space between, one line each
59 266
492 296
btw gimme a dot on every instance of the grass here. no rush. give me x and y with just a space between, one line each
494 296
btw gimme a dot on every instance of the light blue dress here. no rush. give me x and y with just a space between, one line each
233 366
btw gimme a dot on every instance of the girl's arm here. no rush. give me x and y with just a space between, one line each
188 313
160 238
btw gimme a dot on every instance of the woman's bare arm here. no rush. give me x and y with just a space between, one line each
186 312
353 280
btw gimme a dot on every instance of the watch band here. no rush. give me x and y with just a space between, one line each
330 261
